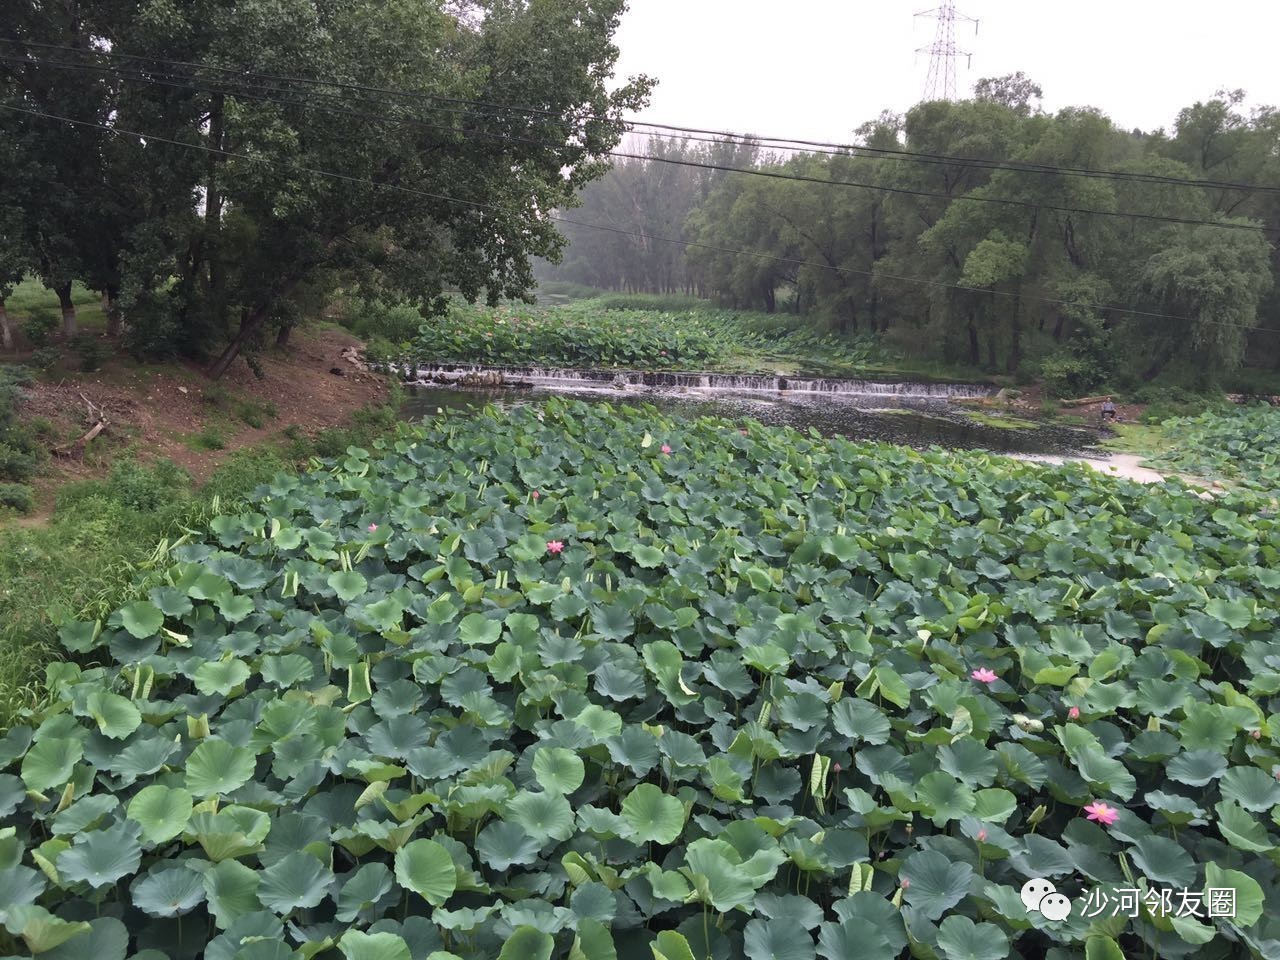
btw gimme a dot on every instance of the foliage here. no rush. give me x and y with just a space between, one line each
397 322
576 335
911 249
1241 444
40 328
20 450
44 358
91 351
713 702
592 334
280 200
104 533
17 496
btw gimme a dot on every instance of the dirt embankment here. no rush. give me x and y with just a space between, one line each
174 412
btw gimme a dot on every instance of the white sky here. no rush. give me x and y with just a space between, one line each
816 69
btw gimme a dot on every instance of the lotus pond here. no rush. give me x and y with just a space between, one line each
566 681
915 422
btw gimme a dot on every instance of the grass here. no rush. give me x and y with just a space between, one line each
1143 439
32 296
1003 422
104 533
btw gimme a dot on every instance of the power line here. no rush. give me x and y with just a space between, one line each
780 143
748 171
647 236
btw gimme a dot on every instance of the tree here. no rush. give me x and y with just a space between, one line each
1210 282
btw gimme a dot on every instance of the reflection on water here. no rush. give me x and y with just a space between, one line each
910 421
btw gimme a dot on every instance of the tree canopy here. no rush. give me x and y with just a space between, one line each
982 231
214 163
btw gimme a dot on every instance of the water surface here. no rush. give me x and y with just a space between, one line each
891 417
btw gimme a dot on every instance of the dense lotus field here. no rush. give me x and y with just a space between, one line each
585 335
568 682
1241 446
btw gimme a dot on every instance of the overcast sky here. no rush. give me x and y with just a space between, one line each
816 69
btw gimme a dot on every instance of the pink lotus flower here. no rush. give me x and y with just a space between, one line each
1074 713
373 527
1257 734
982 835
906 884
983 675
1102 813
536 494
554 546
665 448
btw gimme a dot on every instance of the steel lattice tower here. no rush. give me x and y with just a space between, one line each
941 83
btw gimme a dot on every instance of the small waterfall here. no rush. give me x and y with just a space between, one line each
623 381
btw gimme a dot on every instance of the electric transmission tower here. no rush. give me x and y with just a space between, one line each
941 83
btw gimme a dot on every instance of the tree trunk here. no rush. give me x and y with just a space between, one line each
6 333
282 336
992 364
63 290
111 304
250 324
1015 336
975 350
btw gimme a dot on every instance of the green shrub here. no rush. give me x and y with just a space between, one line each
373 318
17 496
44 358
91 350
210 438
1068 376
40 328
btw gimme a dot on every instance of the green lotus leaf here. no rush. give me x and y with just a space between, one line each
1247 900
426 868
116 716
652 816
502 845
959 938
593 942
855 937
231 889
142 618
49 763
777 939
543 816
1250 787
161 811
527 943
295 882
363 890
1164 861
107 939
216 767
101 857
41 931
221 676
558 770
347 584
356 945
168 890
936 883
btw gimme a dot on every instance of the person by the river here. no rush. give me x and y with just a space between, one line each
1108 409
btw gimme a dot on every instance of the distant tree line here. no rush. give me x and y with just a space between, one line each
931 264
216 170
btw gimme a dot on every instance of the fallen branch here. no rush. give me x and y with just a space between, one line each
1081 402
78 446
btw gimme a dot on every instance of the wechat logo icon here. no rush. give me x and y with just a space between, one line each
1043 897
